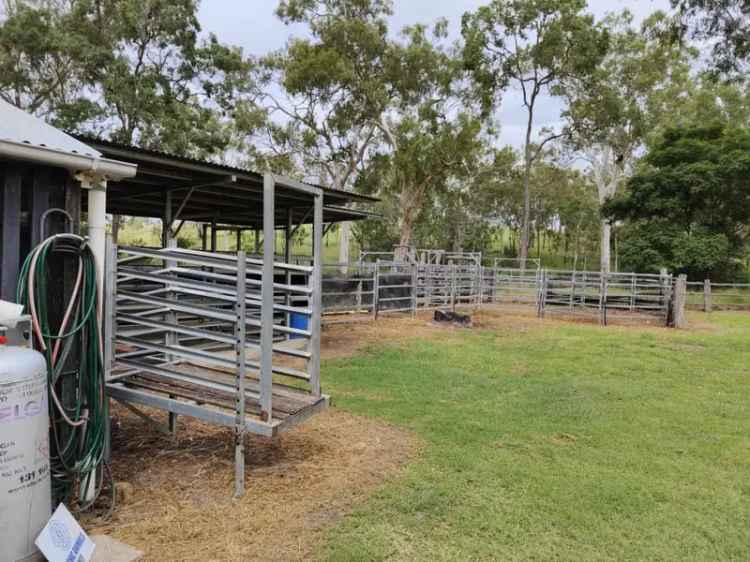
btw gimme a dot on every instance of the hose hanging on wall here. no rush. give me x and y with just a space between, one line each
78 406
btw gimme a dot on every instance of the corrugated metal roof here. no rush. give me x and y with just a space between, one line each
18 126
118 150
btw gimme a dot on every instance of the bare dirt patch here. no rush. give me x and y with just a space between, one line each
348 339
179 505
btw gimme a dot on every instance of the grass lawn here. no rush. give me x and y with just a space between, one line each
554 441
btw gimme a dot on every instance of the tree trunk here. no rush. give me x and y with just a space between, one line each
605 245
115 228
344 241
404 242
525 225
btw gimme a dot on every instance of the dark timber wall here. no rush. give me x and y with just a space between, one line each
26 193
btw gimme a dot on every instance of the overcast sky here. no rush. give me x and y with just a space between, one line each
252 25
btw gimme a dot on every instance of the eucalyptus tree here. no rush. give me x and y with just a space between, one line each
611 111
43 57
725 24
135 71
434 139
535 45
326 94
162 86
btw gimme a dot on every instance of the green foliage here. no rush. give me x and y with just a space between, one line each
538 46
617 102
334 88
689 205
725 24
132 70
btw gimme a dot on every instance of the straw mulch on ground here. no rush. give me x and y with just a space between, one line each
175 499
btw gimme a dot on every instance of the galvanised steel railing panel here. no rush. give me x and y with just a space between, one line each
627 296
214 335
508 285
408 287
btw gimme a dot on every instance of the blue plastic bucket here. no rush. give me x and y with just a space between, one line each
298 321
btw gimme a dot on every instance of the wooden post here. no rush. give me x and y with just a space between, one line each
707 307
166 223
40 196
73 204
603 300
678 300
11 250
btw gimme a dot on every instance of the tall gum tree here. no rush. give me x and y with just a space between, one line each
433 134
612 110
326 95
535 45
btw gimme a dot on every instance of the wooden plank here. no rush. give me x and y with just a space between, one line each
73 201
40 196
11 230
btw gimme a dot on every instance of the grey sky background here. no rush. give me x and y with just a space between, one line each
252 25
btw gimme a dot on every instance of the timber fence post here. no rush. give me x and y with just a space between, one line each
707 305
679 298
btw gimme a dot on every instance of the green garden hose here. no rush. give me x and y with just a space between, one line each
78 406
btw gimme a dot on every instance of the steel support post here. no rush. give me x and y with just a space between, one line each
266 315
453 285
414 289
376 289
110 326
542 293
239 346
288 259
317 296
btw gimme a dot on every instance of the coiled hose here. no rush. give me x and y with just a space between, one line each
78 406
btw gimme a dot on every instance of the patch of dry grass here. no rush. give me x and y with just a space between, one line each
179 502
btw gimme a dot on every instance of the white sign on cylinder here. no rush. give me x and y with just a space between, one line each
25 494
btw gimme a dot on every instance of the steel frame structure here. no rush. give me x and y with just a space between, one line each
207 334
407 287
